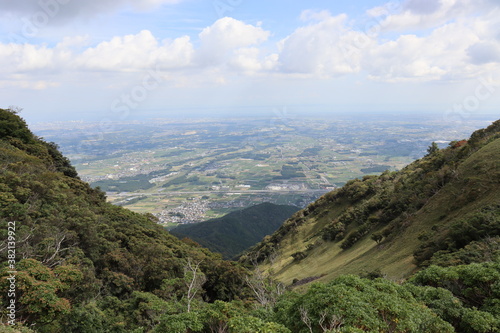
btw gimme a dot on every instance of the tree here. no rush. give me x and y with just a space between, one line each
265 290
39 290
15 109
194 280
354 304
433 148
11 125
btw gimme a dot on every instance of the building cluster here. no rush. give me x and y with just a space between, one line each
190 211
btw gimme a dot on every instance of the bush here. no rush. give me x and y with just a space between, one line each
352 304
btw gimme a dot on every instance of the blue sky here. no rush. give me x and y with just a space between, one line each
124 59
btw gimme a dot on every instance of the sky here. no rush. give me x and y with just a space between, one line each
119 60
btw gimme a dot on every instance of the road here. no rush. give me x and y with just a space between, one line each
126 194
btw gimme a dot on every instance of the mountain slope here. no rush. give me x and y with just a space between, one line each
237 231
84 265
395 222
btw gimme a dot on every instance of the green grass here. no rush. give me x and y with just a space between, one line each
476 185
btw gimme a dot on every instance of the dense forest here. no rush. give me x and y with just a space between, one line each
235 232
84 265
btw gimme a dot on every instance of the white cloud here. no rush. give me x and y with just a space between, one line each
442 55
320 49
225 37
250 61
228 43
456 50
453 48
24 58
247 59
136 52
425 14
326 46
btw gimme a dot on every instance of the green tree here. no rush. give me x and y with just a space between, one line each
39 291
476 284
350 303
433 148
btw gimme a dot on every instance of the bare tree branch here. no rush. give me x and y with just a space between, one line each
266 290
304 316
334 323
193 282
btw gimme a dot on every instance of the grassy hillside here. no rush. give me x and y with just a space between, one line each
237 231
444 207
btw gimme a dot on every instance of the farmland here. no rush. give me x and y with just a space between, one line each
193 169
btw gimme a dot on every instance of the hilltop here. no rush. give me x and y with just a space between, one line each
443 208
237 231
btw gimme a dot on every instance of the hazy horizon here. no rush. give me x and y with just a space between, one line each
267 113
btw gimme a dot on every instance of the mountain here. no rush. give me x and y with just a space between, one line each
237 231
71 262
82 264
442 209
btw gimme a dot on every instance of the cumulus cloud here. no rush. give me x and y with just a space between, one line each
325 46
321 48
441 55
131 53
19 58
459 39
225 37
250 61
136 52
228 43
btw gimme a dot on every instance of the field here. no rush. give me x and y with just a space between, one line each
190 170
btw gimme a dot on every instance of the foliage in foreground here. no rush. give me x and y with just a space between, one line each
84 265
438 299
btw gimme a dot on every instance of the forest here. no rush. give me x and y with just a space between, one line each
81 264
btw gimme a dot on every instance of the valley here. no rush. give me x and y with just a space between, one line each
414 250
190 170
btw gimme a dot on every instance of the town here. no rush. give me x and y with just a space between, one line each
187 171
